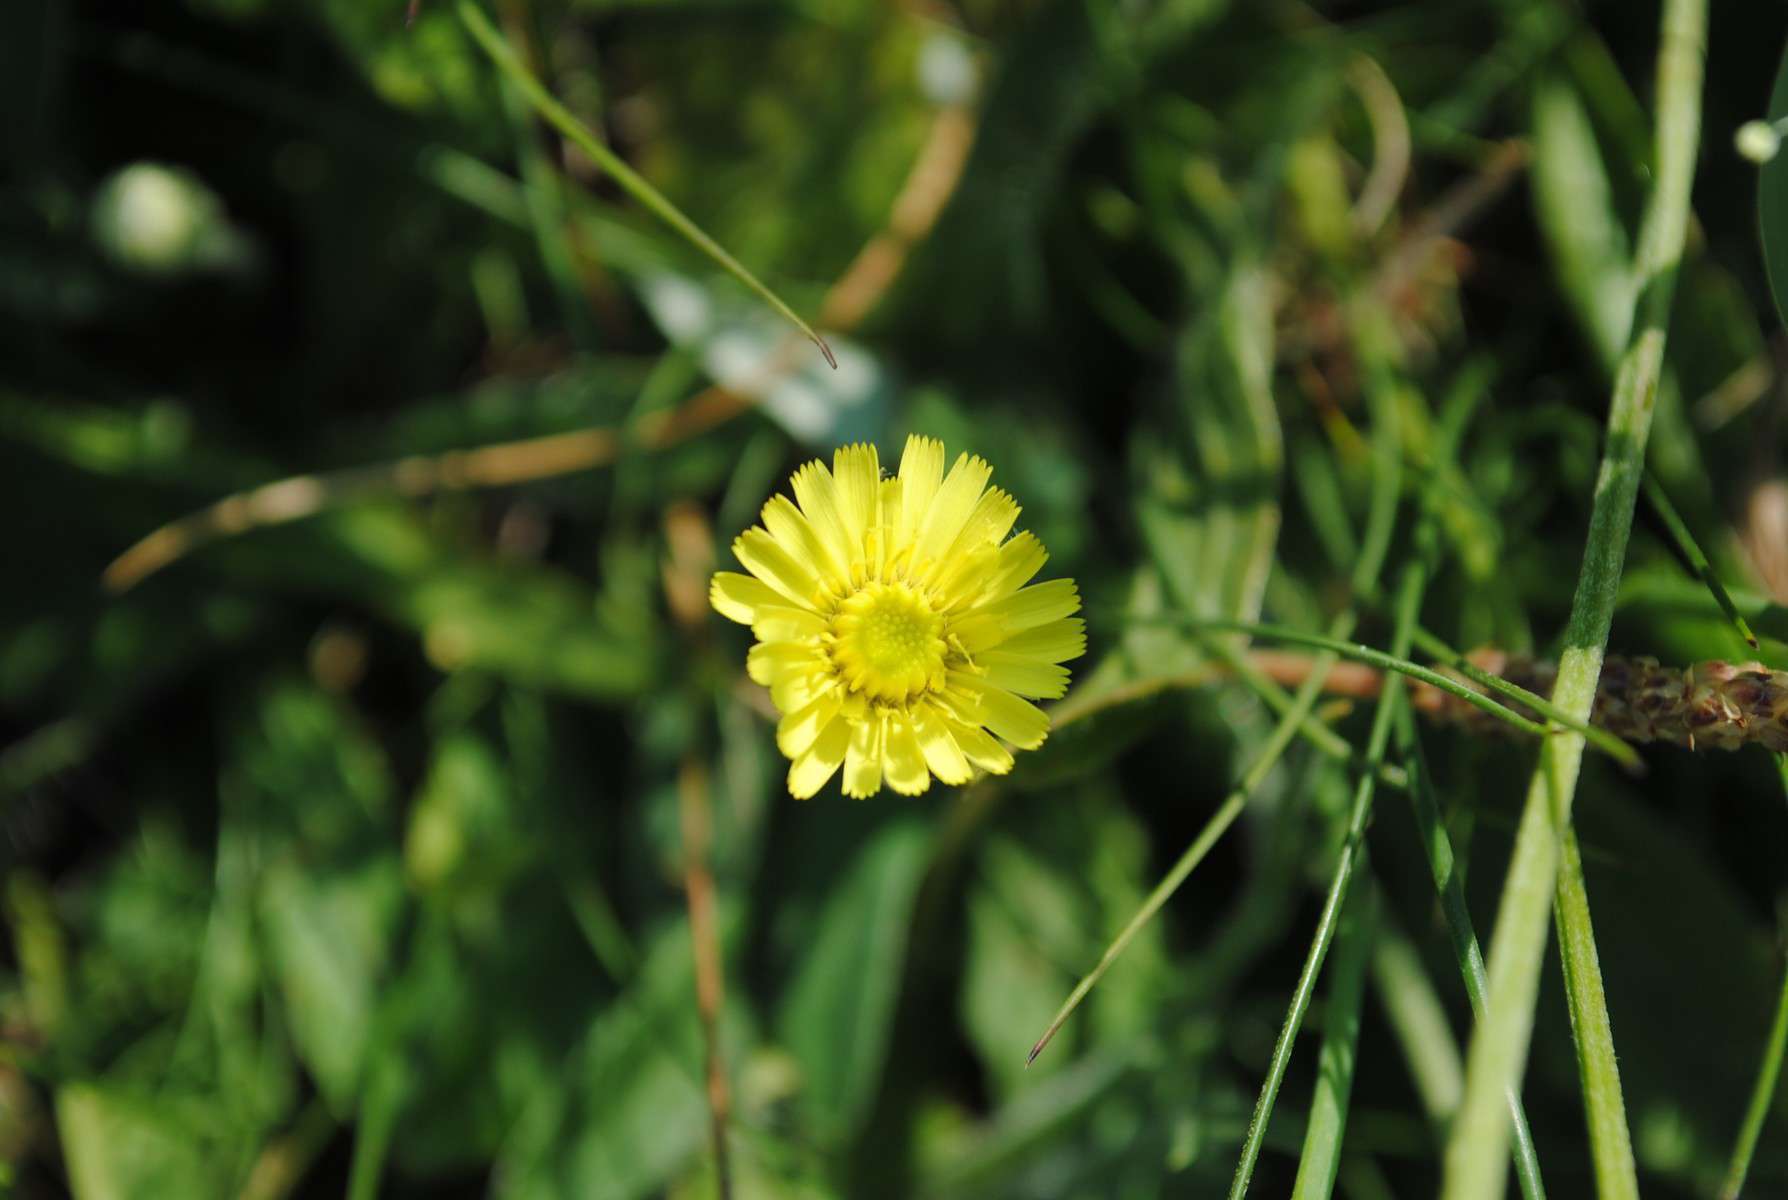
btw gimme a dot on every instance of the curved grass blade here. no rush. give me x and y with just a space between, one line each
1692 555
1402 666
1214 828
1438 847
1321 1157
1768 1072
1441 652
1353 850
557 115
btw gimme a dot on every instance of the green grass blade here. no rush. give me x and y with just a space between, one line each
1321 1157
1214 828
1611 1145
1402 666
1768 1072
557 115
1477 1152
1352 850
1441 652
1692 555
1438 846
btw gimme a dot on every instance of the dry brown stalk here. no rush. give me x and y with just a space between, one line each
1705 706
930 183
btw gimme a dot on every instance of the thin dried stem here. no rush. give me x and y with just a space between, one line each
698 884
930 183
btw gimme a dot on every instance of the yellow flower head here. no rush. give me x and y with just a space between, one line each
894 629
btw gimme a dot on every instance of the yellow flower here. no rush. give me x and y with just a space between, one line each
894 629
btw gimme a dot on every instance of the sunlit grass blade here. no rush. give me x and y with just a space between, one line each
1607 742
1323 1133
1768 1073
1692 555
1402 666
1611 1145
556 114
1409 600
1214 828
1477 1151
1437 845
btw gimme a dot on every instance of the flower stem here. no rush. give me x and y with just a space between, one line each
1767 1074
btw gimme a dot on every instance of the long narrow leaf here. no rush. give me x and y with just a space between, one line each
1477 1152
630 181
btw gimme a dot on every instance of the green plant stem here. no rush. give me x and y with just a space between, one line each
1438 846
1402 666
1477 1152
1352 849
1768 1072
1692 554
560 118
1214 828
1611 1146
1321 1157
1758 1110
1441 652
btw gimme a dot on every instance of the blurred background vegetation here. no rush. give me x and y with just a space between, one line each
346 853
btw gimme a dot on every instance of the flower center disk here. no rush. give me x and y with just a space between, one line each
887 642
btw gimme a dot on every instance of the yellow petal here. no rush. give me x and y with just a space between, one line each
738 597
950 508
988 625
942 754
1020 559
858 473
980 749
808 774
902 761
796 535
781 623
766 558
1018 721
795 686
863 759
1058 641
921 470
799 729
995 512
817 494
1023 674
767 661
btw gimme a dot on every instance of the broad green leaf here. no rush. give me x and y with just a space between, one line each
121 1145
629 1109
329 939
836 1016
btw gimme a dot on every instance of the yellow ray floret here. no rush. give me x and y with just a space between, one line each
895 629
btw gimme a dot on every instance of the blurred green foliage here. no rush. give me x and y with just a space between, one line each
343 855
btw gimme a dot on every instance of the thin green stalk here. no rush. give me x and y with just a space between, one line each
1438 846
1323 1133
1352 849
1477 1152
546 213
1380 522
560 118
1611 1146
1768 1072
1396 663
1690 549
1214 828
1441 652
